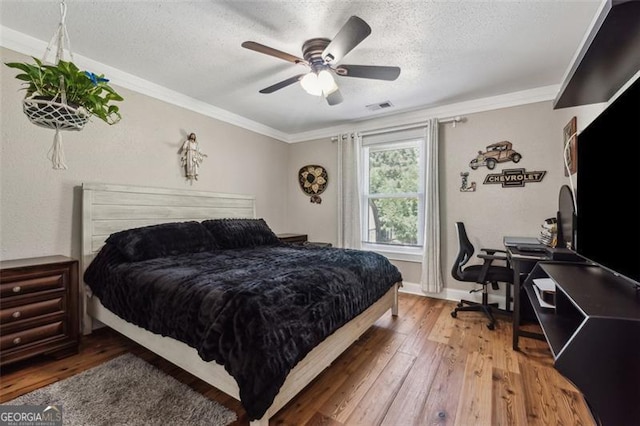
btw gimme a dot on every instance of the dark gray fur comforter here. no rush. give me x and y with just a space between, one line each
256 311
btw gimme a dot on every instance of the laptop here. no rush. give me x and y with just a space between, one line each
521 241
530 248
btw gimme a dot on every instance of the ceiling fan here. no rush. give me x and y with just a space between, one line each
321 56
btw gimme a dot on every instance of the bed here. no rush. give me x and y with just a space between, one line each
110 210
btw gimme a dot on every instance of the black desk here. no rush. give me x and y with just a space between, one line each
522 262
592 331
593 335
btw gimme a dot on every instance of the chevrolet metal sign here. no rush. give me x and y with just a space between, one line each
514 177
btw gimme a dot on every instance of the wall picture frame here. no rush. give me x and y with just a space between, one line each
570 145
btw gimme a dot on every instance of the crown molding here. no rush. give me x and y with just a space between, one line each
540 94
27 45
31 46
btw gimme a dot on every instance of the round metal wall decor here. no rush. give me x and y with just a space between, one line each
313 181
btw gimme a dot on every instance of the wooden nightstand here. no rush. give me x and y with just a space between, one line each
39 308
293 238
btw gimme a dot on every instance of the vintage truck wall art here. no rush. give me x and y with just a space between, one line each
498 152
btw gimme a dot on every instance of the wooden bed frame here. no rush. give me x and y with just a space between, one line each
111 208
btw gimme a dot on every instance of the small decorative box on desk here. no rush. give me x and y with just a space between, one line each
292 238
39 308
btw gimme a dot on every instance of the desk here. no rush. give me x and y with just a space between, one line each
593 335
522 262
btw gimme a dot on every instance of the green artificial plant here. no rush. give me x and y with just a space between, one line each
82 88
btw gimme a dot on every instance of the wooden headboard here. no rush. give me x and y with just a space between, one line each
111 208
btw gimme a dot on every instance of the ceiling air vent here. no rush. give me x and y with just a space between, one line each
381 105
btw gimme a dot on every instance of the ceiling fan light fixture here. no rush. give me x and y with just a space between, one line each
311 85
327 82
322 56
319 84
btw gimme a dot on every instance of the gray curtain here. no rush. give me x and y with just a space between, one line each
431 279
349 190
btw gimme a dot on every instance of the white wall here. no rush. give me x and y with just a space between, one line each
536 130
319 221
40 207
490 213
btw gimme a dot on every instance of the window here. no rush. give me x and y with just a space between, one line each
393 192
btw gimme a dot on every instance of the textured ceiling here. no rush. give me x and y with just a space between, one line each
449 51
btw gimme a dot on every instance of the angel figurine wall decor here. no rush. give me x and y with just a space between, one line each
191 157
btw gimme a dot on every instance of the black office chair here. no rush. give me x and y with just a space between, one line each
484 274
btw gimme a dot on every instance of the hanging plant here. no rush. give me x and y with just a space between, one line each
62 97
83 89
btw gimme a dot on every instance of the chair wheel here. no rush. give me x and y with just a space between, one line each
454 314
460 304
491 326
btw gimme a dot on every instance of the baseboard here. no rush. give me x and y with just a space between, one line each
452 294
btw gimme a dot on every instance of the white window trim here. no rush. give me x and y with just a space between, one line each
403 253
395 252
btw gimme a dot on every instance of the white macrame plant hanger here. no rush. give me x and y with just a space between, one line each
56 113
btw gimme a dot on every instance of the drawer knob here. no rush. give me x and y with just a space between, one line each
16 314
17 289
17 341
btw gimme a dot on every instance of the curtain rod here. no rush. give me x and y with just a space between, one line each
394 128
454 120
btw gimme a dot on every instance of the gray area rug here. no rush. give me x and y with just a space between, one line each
128 391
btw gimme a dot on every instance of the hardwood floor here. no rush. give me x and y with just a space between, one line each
422 368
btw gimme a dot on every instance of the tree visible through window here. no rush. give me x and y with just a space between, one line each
393 193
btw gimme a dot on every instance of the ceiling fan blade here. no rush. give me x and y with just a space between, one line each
335 97
282 84
261 48
369 71
349 36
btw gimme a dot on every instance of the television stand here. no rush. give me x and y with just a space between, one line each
594 336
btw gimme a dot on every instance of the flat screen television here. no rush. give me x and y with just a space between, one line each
607 228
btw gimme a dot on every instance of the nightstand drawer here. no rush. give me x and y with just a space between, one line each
22 338
18 287
39 308
19 313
